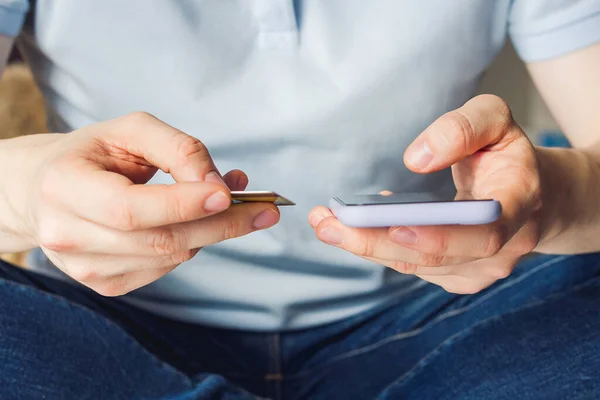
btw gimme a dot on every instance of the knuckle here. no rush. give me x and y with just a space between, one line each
451 289
500 106
188 147
182 256
460 132
534 186
523 244
123 218
500 272
83 275
536 193
467 287
110 290
404 267
180 210
366 247
528 244
52 237
503 111
440 245
140 117
113 286
231 228
495 243
165 242
430 259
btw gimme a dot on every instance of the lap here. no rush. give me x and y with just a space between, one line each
538 326
388 348
547 350
54 348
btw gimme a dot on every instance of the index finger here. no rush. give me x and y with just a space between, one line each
482 122
141 134
112 200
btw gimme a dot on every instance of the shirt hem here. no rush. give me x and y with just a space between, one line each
556 43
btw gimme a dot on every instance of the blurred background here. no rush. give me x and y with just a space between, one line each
508 78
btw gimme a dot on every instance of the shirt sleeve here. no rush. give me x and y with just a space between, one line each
12 16
544 29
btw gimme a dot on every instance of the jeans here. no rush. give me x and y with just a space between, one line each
533 335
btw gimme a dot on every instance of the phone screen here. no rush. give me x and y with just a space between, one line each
399 198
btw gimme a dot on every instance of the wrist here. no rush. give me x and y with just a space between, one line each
569 180
20 159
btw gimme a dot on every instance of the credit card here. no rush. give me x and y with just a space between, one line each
260 196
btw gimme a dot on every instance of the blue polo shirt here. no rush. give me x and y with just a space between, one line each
311 98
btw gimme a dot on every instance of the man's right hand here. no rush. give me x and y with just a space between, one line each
85 203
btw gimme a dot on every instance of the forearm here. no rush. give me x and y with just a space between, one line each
570 213
18 158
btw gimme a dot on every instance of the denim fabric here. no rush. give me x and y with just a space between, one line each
533 335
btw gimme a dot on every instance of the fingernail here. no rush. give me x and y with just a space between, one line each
217 202
265 219
213 177
403 236
242 182
420 156
331 235
315 218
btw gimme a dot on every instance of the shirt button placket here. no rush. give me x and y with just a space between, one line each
277 25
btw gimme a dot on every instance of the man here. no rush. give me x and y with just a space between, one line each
164 290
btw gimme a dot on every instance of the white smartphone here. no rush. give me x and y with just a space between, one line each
412 209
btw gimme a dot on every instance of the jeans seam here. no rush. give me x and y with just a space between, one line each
123 373
277 360
423 362
403 335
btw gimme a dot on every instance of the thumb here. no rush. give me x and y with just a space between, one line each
483 122
184 157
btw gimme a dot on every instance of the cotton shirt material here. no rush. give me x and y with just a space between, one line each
311 98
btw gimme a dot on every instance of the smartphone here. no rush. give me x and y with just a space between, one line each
412 209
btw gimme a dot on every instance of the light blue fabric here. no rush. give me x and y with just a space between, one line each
311 98
12 15
543 29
